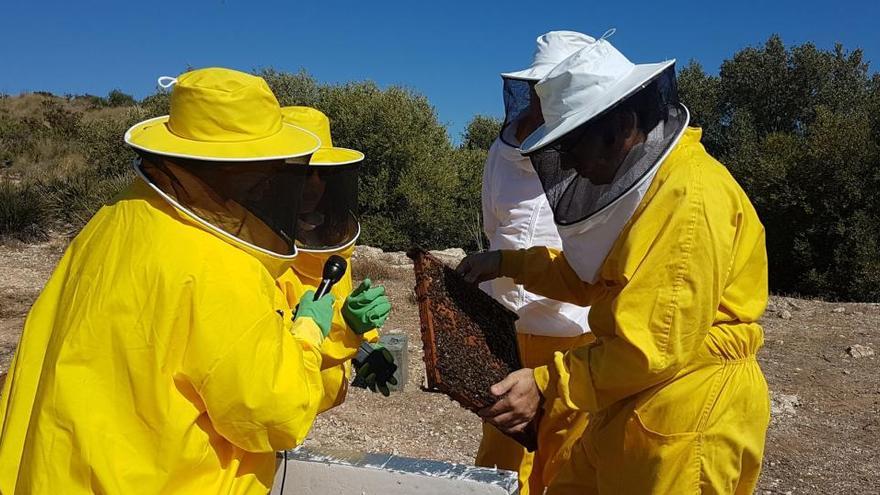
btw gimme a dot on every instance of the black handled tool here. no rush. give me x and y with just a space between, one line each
334 269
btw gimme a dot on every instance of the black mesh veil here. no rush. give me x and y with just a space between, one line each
518 94
256 202
327 218
575 198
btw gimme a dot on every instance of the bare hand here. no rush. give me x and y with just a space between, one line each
479 267
519 400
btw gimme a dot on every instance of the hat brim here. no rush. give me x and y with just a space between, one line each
335 156
535 73
154 136
637 79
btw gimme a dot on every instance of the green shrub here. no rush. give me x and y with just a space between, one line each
117 98
62 123
157 104
15 138
102 144
23 213
72 200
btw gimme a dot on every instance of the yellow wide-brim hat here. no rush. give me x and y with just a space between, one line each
222 115
314 121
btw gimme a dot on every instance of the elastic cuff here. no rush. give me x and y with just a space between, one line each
511 262
305 329
542 378
371 336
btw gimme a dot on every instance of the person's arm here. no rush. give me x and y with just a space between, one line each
544 271
487 199
338 349
676 268
263 392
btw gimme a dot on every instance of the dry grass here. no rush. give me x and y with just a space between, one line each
25 105
110 113
49 159
374 269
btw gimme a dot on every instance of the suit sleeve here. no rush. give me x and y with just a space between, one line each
675 264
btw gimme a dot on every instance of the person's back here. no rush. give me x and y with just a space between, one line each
129 381
160 357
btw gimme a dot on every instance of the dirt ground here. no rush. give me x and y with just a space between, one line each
824 437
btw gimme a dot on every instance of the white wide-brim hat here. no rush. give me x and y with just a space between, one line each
552 48
584 86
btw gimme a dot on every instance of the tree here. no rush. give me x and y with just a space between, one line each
799 129
414 185
481 132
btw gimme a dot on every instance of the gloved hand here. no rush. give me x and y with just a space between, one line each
374 367
366 308
320 311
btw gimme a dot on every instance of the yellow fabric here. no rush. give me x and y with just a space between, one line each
155 361
227 218
677 401
341 344
559 430
318 123
222 114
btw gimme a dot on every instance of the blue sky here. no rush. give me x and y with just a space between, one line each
451 51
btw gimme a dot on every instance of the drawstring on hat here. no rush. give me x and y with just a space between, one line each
166 82
608 33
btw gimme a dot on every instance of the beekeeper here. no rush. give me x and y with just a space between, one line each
328 225
155 359
667 249
516 215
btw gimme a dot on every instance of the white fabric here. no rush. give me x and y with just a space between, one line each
516 215
586 244
583 86
552 48
166 82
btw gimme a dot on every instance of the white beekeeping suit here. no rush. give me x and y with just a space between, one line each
516 215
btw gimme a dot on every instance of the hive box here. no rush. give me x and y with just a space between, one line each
326 472
396 344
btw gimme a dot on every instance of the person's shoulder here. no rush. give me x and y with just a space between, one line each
158 234
693 166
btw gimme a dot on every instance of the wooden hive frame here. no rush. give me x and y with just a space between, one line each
429 308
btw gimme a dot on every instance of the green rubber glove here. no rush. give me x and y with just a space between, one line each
374 367
320 311
366 308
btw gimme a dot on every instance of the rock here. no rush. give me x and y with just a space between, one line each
839 309
859 351
785 314
368 252
784 405
450 256
397 259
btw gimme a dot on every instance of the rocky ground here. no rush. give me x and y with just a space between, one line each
818 358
